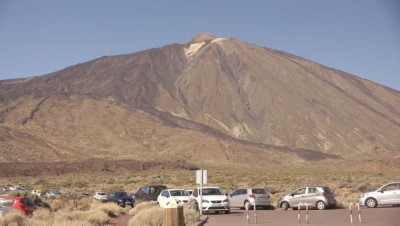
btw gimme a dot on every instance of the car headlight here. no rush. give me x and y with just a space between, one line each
205 201
225 200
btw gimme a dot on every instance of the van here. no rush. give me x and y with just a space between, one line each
149 193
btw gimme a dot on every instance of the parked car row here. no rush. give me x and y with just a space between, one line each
51 193
318 197
9 187
214 200
145 193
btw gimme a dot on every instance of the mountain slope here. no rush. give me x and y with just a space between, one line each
224 89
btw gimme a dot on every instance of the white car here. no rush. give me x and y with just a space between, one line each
213 200
388 194
180 195
101 196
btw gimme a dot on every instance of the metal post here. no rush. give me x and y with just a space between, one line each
359 213
201 194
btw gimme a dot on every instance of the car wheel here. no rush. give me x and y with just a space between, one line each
321 205
227 211
285 205
371 202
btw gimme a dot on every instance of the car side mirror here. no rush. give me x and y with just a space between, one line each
292 195
381 190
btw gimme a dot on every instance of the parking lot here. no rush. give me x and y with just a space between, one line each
383 216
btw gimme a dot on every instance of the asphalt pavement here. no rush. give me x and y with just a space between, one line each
383 216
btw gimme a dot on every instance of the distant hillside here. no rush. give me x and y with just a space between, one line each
212 100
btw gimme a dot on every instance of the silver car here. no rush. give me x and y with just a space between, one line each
319 197
242 196
388 194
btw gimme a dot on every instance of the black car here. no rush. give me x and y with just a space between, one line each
121 198
149 192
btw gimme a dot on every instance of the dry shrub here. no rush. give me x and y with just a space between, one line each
96 217
111 209
152 216
66 215
13 218
192 204
141 206
57 204
38 222
72 223
365 187
191 216
42 214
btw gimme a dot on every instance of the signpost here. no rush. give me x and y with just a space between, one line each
201 178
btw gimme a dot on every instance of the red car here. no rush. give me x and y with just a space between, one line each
24 205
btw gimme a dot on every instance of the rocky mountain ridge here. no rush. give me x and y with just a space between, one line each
243 101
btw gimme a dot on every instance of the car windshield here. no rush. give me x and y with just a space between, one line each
121 194
258 191
179 193
212 191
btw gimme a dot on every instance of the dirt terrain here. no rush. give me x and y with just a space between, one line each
93 165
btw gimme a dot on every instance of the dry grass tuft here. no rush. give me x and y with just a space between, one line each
13 218
97 217
111 209
42 214
141 206
151 216
191 216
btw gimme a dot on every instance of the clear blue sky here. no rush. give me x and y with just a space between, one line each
358 37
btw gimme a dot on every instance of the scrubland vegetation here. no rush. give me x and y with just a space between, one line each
347 179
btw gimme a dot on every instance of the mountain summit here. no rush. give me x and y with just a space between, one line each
207 100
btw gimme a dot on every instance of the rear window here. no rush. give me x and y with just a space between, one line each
6 202
121 194
27 201
211 191
179 193
327 190
258 191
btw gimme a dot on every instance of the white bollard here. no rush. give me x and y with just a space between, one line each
299 213
306 213
247 211
351 212
255 214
